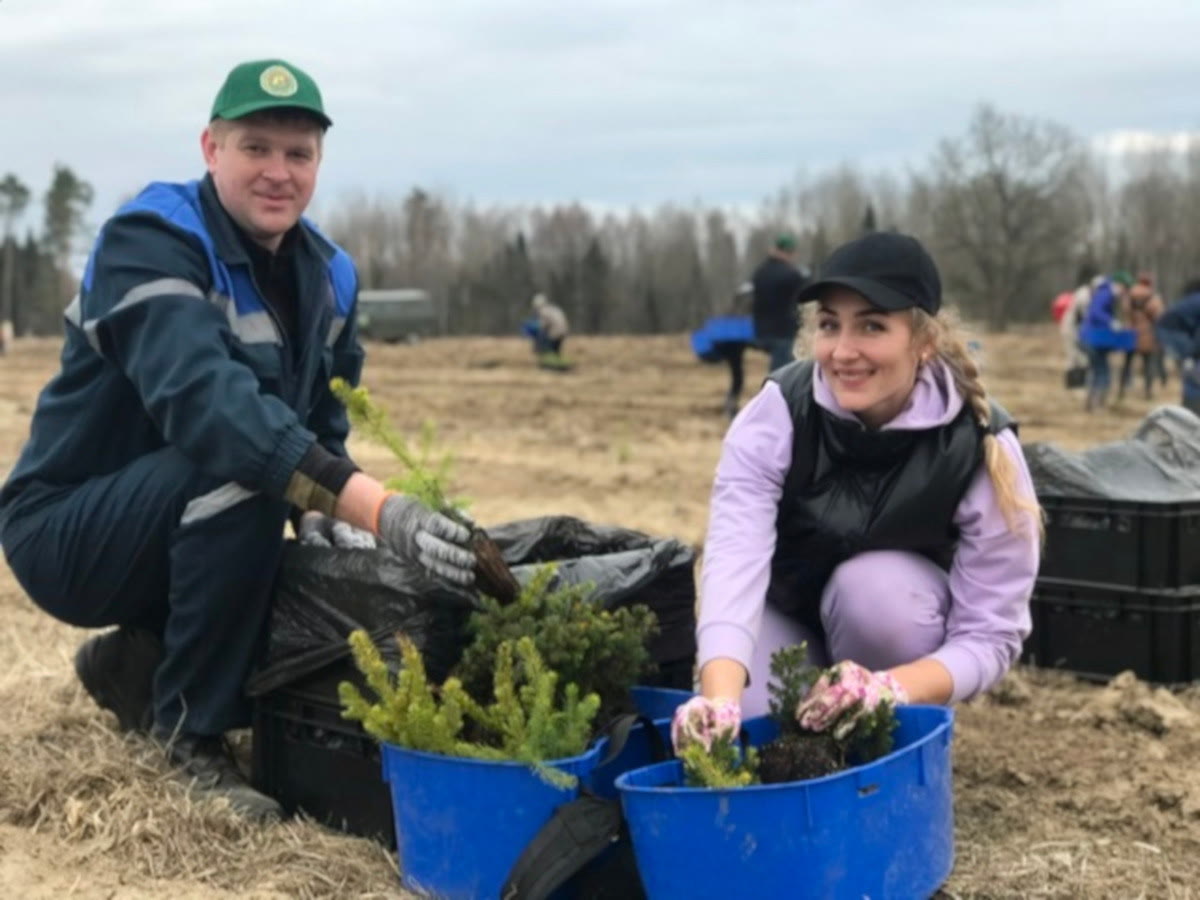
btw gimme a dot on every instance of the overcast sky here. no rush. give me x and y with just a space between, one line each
610 102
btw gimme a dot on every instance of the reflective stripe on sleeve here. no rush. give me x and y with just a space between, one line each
249 328
335 330
159 287
215 502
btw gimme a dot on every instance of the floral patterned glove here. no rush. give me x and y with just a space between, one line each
701 721
844 694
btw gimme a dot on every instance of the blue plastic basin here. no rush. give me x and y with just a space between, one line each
882 830
658 702
462 823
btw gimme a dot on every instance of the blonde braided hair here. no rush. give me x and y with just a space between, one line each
943 334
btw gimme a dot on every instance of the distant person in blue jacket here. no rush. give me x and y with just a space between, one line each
190 420
1100 333
1178 330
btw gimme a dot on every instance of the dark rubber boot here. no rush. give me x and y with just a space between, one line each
117 670
207 764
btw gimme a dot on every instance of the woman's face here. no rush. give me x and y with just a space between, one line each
866 354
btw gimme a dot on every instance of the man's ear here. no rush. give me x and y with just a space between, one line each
209 142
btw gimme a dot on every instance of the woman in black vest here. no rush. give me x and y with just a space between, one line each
871 501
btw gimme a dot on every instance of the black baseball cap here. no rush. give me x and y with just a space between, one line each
893 271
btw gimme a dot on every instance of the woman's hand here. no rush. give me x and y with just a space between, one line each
845 694
702 721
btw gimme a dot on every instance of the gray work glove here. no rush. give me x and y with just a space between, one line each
438 543
319 530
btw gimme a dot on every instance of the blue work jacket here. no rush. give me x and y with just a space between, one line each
170 342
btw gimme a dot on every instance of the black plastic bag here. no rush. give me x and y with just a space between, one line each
323 594
627 567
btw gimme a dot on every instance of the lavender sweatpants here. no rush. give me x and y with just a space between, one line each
880 609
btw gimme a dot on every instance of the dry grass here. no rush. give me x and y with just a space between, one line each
1047 804
108 800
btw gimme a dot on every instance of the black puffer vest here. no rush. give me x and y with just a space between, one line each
851 489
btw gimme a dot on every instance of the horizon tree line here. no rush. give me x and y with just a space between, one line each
1013 209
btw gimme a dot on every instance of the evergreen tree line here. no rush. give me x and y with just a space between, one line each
1013 208
35 271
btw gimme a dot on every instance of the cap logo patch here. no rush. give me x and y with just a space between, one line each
278 81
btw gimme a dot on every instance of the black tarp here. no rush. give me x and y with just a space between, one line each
1159 462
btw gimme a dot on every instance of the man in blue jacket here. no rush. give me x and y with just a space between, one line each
190 419
1178 331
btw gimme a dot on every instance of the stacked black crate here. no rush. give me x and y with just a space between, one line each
1119 588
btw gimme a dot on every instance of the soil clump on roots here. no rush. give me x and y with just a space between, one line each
795 757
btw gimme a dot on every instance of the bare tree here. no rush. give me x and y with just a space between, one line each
1006 205
372 231
835 202
721 261
559 240
425 258
1011 208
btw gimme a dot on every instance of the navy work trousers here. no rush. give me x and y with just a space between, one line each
163 546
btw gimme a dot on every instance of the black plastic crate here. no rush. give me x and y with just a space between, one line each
309 758
1097 631
1122 543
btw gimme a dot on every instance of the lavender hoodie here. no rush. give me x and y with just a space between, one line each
990 580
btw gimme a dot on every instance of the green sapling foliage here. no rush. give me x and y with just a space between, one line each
427 470
792 676
602 651
527 720
424 479
723 765
873 734
798 753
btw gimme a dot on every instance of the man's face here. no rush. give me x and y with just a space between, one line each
265 173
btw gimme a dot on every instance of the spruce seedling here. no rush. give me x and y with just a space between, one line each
424 479
797 754
722 766
603 651
527 720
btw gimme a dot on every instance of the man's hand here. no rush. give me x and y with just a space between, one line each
437 542
319 530
844 694
702 721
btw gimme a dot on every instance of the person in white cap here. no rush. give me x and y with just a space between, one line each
552 325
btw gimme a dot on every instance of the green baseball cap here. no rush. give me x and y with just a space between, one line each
785 241
268 84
